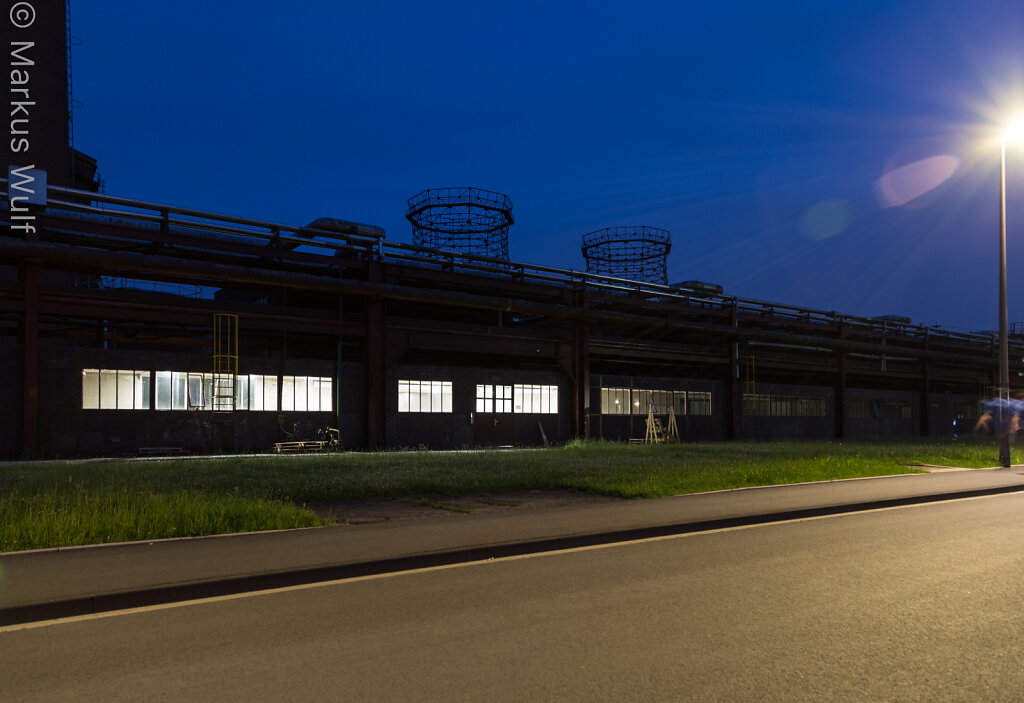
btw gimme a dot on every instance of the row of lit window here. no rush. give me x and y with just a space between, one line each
436 397
770 405
120 389
635 401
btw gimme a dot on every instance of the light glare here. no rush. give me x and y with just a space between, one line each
1015 130
909 182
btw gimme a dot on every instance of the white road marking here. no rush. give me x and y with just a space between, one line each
429 569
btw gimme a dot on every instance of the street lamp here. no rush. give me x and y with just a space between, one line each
1014 132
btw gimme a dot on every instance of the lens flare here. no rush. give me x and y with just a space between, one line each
906 183
825 219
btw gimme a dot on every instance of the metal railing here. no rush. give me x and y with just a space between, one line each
368 240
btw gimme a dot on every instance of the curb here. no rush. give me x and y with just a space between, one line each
91 605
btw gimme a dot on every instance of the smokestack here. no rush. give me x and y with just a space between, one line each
39 107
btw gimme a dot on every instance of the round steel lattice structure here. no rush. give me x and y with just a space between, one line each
464 220
635 253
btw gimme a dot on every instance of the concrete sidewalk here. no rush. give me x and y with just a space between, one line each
55 583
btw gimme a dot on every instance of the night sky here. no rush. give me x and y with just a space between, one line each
829 154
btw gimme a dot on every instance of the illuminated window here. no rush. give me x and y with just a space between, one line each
115 389
181 390
626 401
310 393
535 399
108 389
262 393
325 388
242 393
698 402
226 382
615 401
493 399
256 392
663 401
424 396
679 402
195 391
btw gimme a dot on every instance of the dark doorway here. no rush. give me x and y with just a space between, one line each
493 430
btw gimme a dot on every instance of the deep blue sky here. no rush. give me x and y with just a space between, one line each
756 132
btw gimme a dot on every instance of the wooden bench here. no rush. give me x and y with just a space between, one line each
302 446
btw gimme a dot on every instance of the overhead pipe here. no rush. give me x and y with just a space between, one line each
133 265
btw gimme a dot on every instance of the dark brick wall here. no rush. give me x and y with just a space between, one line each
790 427
947 416
11 398
876 425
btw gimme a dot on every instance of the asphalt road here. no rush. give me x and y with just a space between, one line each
916 603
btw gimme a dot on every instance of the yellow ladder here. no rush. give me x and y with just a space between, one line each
225 361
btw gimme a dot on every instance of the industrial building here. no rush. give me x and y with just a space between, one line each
130 327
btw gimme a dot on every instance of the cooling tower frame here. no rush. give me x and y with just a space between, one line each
637 253
466 220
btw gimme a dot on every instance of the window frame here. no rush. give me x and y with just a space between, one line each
424 396
493 398
316 392
534 399
115 389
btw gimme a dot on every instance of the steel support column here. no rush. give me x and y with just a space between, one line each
732 385
925 399
30 367
376 364
581 371
339 359
840 397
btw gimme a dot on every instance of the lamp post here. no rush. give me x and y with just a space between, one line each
1013 132
1004 354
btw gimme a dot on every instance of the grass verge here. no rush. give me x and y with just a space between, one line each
51 504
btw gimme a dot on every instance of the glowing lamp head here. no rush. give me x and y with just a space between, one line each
1015 130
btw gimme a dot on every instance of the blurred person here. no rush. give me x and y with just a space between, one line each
1001 415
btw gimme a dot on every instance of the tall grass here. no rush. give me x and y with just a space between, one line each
52 518
65 503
